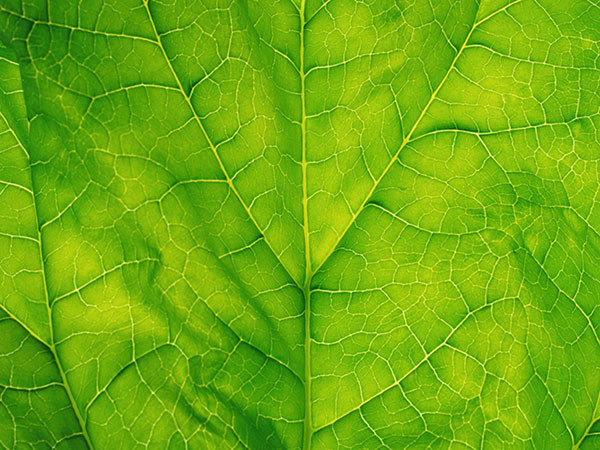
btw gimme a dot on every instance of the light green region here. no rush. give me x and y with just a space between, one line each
297 224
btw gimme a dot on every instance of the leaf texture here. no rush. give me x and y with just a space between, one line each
266 224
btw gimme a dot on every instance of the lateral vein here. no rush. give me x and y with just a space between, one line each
213 148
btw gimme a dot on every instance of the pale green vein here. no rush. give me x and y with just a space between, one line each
213 148
409 136
308 430
423 360
51 345
32 333
588 429
82 30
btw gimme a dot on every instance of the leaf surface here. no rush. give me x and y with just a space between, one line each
299 224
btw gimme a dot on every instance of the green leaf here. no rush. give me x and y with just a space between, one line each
299 224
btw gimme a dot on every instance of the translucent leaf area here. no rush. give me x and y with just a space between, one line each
299 224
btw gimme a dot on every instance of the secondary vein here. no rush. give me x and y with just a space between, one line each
409 136
213 148
52 344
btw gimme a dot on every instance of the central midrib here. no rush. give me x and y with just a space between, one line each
308 430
